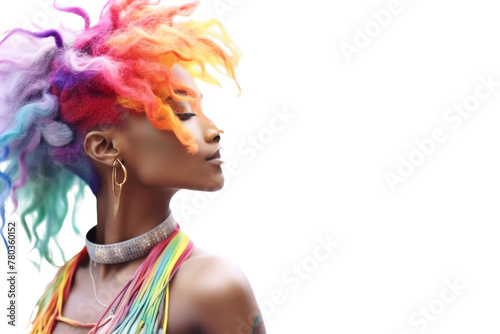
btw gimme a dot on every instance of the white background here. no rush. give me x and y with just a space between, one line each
322 175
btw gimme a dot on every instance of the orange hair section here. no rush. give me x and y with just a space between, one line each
147 43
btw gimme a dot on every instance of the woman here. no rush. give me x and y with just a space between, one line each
118 110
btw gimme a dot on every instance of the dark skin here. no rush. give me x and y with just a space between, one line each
208 294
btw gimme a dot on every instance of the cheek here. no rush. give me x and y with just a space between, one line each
163 161
157 158
149 151
195 125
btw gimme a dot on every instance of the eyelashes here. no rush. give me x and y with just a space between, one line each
182 109
185 116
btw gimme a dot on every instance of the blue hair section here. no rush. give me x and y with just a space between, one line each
42 162
5 192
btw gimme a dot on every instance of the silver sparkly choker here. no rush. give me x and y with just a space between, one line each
129 249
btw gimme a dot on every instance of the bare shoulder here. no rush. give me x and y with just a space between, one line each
215 272
220 294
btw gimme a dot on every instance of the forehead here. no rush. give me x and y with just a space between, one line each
181 75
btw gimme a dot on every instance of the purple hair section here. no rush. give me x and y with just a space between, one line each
42 34
41 153
77 11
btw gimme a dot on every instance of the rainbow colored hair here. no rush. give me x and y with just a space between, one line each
52 92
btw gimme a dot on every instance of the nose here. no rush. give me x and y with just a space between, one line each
212 134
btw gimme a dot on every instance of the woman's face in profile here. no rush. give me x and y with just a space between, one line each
156 158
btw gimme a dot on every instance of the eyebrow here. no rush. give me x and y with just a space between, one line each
183 92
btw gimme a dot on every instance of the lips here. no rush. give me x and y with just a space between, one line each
215 155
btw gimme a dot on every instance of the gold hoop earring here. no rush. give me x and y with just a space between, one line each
119 185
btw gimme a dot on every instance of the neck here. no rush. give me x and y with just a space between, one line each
141 209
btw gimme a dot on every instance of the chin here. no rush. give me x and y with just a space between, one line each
216 183
213 186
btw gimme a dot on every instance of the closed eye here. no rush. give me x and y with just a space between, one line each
181 109
185 116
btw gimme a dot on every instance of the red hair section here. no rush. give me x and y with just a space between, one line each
139 43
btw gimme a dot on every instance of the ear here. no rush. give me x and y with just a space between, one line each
99 146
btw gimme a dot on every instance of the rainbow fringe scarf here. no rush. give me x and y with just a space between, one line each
137 305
